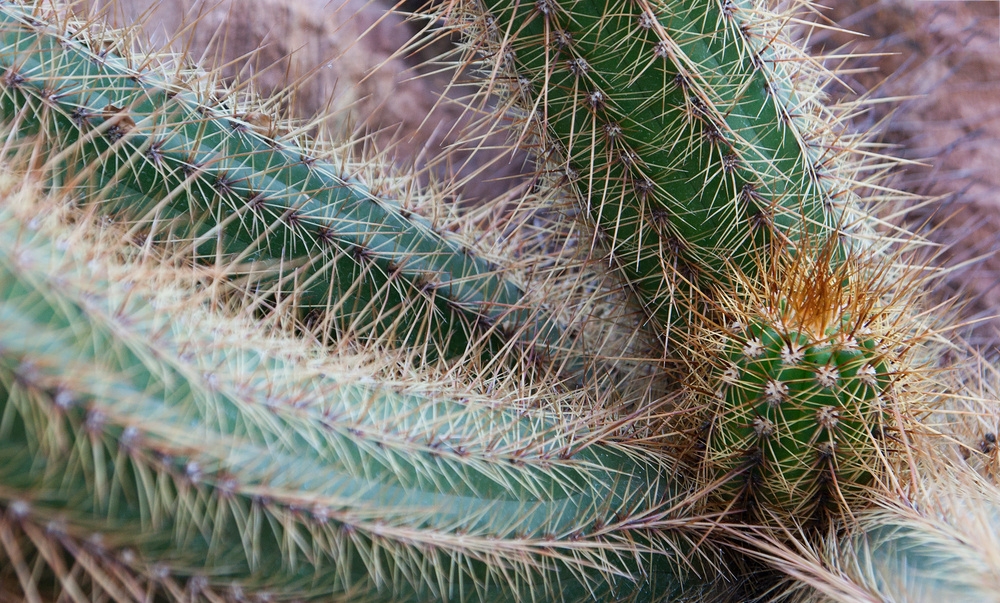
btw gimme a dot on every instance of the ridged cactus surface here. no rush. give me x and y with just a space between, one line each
301 232
938 542
691 131
801 416
169 445
799 389
920 559
159 441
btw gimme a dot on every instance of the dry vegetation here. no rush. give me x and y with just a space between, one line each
938 67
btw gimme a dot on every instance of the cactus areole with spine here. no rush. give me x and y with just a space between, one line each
148 433
694 139
150 149
801 416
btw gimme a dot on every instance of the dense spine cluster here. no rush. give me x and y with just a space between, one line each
300 231
170 447
800 422
695 138
798 391
938 543
691 134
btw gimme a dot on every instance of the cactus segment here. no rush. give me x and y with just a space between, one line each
313 236
938 542
906 559
131 431
801 417
694 139
941 545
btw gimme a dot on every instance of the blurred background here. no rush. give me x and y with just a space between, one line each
932 65
936 66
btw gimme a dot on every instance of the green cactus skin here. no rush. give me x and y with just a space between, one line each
693 137
905 559
941 545
161 447
937 542
318 238
800 424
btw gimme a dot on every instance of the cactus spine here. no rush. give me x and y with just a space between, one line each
801 415
921 559
147 450
172 453
699 148
694 143
938 542
315 237
801 389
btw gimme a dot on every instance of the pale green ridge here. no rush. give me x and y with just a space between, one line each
118 425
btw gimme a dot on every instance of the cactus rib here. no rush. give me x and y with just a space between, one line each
801 418
693 142
803 386
936 543
157 155
125 427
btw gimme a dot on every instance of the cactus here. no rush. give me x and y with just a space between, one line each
801 389
920 559
696 139
168 444
938 542
153 448
939 546
146 146
801 414
691 131
698 146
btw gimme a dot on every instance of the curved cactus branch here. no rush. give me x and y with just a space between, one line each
151 151
129 424
691 134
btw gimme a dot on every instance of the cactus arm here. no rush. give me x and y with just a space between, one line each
938 544
916 560
159 156
127 422
681 127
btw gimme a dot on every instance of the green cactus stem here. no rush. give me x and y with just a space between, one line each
134 431
921 559
803 414
801 388
942 546
691 131
149 149
938 542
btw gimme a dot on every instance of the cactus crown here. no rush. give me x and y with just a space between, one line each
801 380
